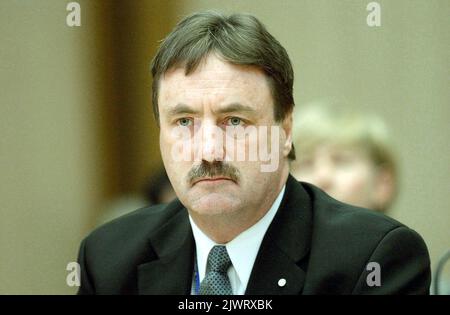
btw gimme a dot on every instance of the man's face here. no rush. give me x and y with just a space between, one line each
219 96
345 173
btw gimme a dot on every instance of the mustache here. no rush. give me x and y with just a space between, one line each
213 169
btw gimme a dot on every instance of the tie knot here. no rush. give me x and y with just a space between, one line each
218 259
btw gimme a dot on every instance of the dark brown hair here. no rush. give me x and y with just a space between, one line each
239 39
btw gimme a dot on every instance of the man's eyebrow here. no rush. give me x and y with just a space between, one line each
181 109
232 107
236 107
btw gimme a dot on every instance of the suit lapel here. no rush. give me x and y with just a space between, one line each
275 273
171 273
280 266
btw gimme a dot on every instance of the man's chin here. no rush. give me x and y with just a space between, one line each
215 204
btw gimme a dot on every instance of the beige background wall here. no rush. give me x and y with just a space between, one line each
52 155
77 131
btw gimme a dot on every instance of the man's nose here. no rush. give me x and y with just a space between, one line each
211 146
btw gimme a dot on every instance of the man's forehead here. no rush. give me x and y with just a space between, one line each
214 95
235 87
209 78
213 71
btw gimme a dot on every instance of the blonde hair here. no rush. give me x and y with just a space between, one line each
322 123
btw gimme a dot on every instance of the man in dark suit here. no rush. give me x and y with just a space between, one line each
222 94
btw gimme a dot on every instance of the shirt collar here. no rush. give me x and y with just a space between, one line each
243 249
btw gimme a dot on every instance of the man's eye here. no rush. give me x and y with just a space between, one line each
234 121
184 122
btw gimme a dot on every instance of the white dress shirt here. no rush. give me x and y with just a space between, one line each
242 250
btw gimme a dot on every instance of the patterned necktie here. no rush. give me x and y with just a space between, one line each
216 281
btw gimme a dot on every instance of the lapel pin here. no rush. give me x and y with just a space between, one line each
282 282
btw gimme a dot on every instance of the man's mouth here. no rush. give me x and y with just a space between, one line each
211 180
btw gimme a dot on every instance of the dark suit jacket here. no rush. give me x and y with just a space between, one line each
319 245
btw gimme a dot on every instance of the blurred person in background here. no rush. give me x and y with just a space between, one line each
346 153
156 190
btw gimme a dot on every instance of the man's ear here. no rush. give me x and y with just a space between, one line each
287 128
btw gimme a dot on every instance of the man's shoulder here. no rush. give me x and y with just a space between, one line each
345 239
110 254
332 214
349 231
